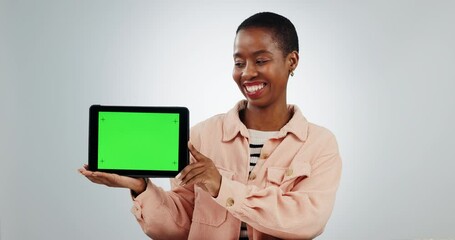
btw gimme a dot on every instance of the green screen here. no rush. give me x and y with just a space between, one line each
138 141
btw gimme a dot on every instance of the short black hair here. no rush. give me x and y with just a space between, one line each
283 30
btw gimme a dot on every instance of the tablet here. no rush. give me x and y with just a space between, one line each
138 141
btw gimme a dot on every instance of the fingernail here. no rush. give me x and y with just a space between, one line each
178 175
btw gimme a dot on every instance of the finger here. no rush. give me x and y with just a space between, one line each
84 169
112 180
201 185
195 153
192 174
199 179
92 176
85 172
93 179
99 177
188 169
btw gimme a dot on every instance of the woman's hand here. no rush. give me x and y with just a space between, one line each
201 172
137 185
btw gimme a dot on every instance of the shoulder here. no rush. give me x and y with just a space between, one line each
307 131
228 122
315 130
322 137
211 123
208 130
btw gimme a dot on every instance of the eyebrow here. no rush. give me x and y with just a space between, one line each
254 53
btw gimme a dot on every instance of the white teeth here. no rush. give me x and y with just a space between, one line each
255 88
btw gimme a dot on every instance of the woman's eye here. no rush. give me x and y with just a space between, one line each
239 64
261 61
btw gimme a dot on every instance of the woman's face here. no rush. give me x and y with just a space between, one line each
261 70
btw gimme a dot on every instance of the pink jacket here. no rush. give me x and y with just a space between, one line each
289 195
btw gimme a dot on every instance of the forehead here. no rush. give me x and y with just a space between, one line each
255 40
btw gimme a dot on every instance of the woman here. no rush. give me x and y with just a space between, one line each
260 171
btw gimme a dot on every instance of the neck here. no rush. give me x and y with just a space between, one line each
271 118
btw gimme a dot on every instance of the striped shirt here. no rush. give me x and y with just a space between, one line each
256 140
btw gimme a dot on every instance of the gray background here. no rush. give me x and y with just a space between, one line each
379 74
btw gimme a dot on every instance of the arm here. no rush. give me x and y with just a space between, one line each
300 211
164 215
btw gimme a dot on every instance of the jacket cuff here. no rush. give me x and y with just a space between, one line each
134 195
231 195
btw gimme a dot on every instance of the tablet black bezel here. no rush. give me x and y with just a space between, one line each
183 138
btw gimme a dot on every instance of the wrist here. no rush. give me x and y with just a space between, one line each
140 187
216 191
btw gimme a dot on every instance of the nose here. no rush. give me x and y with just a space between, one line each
249 72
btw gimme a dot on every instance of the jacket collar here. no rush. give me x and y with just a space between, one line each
232 126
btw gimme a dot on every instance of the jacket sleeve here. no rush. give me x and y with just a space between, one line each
162 214
166 214
301 212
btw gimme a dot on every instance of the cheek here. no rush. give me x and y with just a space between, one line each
236 75
280 72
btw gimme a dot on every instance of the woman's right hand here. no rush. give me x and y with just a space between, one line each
137 185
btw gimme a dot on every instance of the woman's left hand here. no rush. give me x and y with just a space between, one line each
201 172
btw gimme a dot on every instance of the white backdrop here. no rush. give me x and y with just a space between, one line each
379 74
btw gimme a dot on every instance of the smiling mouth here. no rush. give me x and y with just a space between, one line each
254 88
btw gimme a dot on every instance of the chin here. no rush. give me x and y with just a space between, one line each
259 103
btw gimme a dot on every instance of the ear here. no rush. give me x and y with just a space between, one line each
293 60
